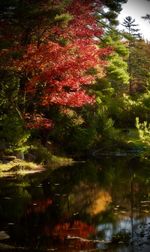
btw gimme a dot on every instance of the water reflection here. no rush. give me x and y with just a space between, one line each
100 202
103 205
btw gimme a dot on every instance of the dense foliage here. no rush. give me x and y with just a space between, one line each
69 77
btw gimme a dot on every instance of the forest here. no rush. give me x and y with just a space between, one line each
73 85
74 127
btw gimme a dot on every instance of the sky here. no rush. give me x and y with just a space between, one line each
136 9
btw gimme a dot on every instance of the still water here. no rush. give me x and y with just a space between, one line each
89 206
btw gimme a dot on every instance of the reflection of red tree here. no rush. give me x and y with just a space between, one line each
66 230
39 206
72 234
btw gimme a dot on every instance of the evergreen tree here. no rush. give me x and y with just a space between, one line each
109 12
140 64
131 27
131 34
147 16
117 70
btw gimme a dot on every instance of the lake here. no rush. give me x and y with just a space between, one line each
99 205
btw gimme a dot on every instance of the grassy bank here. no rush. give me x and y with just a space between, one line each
19 167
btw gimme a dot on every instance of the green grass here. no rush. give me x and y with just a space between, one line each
21 167
18 167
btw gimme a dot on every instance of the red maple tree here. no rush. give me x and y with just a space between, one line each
58 73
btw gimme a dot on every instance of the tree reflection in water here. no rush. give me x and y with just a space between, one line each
74 205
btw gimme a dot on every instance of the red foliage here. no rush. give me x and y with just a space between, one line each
61 71
37 121
66 230
84 24
59 74
73 234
